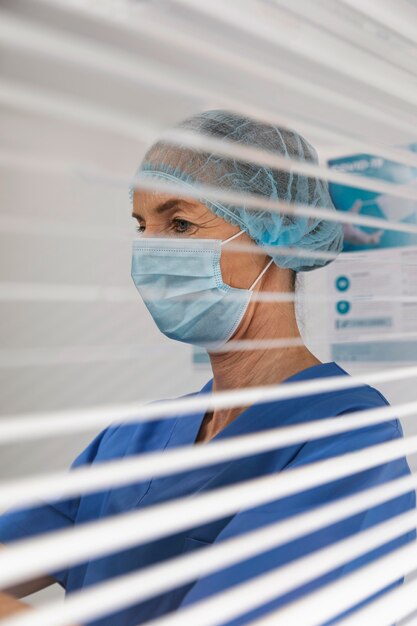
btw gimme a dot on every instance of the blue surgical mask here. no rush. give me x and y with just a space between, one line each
181 284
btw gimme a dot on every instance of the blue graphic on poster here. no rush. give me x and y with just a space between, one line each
370 203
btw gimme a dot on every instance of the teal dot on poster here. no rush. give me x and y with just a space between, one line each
343 307
342 283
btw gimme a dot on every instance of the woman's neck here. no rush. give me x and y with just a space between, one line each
235 369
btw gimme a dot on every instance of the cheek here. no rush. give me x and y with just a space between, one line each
238 270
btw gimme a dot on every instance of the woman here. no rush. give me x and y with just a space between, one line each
201 291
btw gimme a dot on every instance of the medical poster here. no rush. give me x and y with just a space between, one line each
373 285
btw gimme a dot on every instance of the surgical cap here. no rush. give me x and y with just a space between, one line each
190 166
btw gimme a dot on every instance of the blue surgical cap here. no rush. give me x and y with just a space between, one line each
190 166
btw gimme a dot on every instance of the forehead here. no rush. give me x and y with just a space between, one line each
147 202
147 198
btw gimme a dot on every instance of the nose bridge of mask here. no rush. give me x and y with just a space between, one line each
266 268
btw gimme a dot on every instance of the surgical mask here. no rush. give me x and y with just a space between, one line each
181 284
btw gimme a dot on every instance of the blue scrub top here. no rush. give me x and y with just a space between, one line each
132 439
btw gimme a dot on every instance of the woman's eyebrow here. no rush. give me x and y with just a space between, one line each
165 206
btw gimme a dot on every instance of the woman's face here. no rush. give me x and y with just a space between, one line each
164 215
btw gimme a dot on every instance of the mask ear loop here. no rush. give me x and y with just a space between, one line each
261 274
265 268
235 236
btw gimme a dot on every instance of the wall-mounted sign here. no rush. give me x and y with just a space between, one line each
374 286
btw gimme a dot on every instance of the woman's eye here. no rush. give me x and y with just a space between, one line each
181 226
140 229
